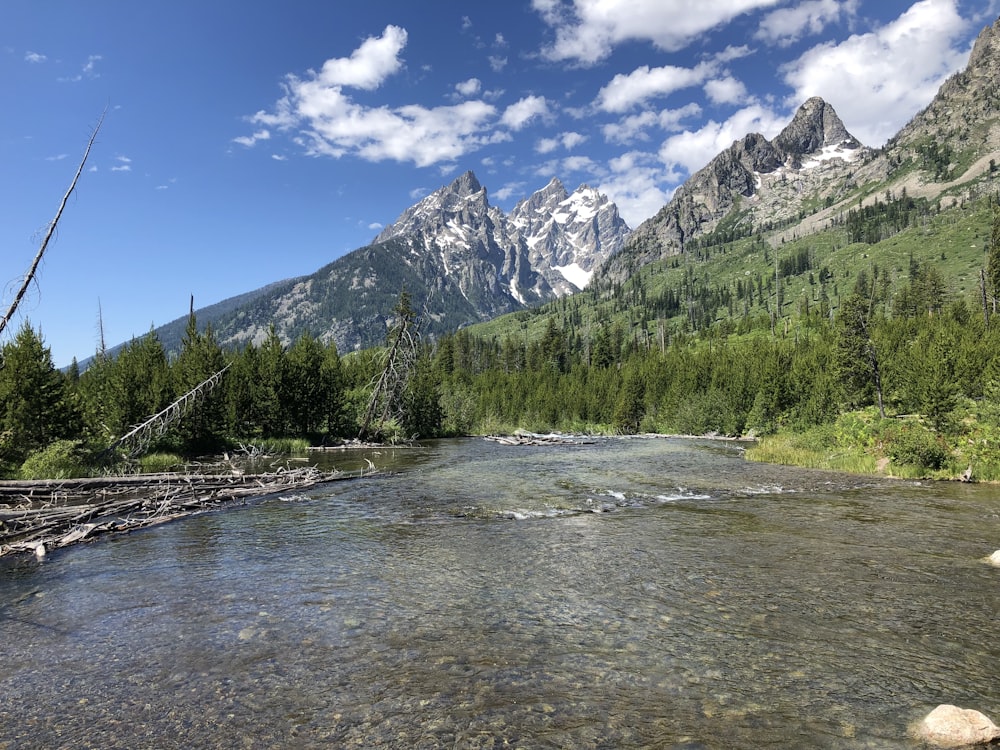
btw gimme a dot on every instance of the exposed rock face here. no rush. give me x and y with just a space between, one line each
568 236
548 247
951 726
816 128
756 179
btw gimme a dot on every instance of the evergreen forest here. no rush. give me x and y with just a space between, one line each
867 354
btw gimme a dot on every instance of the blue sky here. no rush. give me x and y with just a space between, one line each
250 142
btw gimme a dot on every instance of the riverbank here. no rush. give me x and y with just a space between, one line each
904 447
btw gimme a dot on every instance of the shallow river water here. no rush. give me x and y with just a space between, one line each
628 593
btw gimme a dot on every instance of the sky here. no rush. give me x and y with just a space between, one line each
245 143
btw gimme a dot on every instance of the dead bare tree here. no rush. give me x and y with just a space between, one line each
137 440
397 366
29 277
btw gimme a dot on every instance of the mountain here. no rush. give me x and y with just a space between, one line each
460 259
752 184
814 172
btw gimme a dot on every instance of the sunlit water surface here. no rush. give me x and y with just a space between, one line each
628 593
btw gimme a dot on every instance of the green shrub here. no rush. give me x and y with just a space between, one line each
914 445
63 459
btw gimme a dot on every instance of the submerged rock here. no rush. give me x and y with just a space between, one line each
951 726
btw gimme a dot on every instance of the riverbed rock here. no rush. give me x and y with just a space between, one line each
951 726
994 559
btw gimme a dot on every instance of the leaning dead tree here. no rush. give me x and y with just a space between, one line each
30 276
137 440
397 362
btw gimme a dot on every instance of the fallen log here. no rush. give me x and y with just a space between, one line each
46 515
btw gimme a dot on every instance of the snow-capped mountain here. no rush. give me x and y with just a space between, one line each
460 259
568 236
547 247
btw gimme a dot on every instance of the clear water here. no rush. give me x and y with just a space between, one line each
629 593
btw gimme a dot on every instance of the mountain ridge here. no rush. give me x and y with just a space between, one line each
461 259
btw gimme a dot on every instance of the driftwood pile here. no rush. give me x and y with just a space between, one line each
522 437
40 516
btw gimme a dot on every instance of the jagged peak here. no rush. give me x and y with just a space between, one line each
465 184
815 126
982 49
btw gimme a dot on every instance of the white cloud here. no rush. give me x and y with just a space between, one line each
568 141
731 53
638 185
692 150
634 127
375 226
509 190
499 41
279 157
519 114
626 91
787 25
877 81
325 120
376 59
586 31
726 90
250 140
34 57
468 88
497 63
88 68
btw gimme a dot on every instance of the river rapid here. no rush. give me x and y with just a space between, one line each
653 593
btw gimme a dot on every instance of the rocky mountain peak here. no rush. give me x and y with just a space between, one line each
815 127
465 185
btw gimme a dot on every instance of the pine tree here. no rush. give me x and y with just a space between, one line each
203 428
34 405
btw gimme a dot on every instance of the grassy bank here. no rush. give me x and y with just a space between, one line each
904 447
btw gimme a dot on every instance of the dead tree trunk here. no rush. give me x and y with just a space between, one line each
29 277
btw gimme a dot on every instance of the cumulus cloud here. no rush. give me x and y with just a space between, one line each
639 185
726 90
692 150
322 115
568 141
519 114
634 127
470 87
370 64
509 190
34 57
586 31
877 81
787 25
626 91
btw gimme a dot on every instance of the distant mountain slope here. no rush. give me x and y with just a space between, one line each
814 171
461 260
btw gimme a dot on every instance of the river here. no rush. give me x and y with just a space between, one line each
652 593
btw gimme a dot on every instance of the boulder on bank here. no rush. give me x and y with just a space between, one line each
951 726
